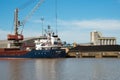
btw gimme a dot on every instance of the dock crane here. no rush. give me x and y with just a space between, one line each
16 37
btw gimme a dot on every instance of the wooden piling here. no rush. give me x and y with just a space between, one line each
98 55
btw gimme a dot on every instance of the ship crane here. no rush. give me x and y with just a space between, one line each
16 37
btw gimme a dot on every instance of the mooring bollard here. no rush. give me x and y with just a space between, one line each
118 54
77 54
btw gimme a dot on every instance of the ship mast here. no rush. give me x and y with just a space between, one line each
42 19
56 16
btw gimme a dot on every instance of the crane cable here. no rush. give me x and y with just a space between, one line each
12 27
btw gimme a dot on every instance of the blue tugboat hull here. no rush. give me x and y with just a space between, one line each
46 54
53 53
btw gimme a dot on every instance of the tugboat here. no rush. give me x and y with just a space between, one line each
48 46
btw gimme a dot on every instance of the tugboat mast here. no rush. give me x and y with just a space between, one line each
56 16
42 20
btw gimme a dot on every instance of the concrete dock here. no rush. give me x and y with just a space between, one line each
94 54
99 51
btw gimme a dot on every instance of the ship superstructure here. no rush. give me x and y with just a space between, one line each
48 41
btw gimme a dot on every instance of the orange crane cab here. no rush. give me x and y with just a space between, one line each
15 37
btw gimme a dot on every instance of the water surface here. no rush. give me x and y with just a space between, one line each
60 69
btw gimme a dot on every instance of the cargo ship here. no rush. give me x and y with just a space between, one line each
47 46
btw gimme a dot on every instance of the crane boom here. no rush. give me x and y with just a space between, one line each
31 13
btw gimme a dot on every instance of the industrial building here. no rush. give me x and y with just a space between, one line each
98 39
100 46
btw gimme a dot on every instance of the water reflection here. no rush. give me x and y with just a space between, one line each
15 70
107 69
60 69
45 69
98 71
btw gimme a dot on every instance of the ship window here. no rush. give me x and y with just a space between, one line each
55 42
43 44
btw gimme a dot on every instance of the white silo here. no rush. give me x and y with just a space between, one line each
94 37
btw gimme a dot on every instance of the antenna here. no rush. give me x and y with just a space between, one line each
56 16
42 19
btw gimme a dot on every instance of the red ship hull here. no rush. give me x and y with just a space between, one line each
12 52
